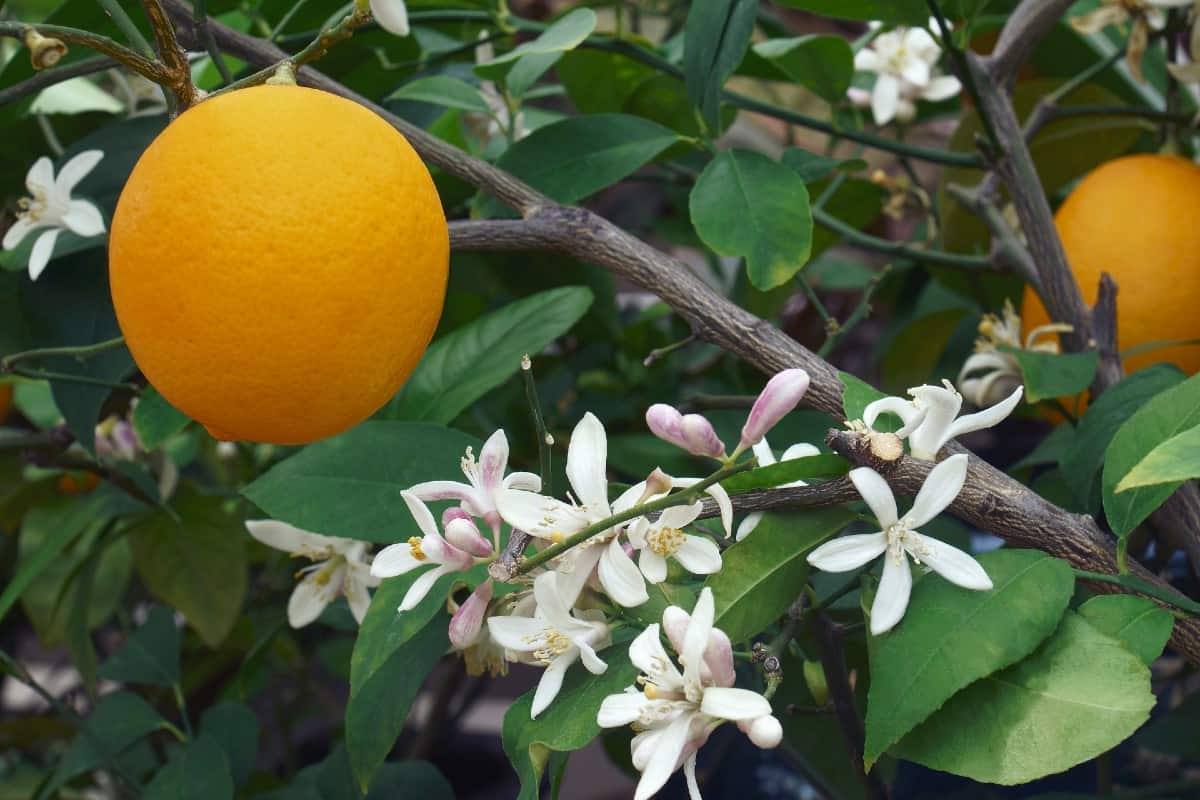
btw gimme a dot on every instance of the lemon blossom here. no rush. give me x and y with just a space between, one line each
484 478
552 637
900 539
931 417
339 567
392 16
454 552
663 538
904 61
1146 15
676 711
766 457
49 205
551 519
990 374
641 493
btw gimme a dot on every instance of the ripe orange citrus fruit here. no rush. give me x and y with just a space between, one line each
278 263
1136 218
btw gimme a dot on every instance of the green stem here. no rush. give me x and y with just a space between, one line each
200 18
1123 555
66 377
545 440
964 72
860 312
1140 586
181 704
127 27
679 498
147 68
79 353
868 242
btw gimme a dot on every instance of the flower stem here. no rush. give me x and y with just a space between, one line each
545 440
66 377
679 498
79 353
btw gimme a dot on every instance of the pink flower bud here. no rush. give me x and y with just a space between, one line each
700 438
463 534
453 513
666 423
467 622
781 394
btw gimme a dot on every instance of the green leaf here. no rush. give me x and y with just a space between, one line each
857 395
1082 461
118 720
716 35
350 485
397 779
952 637
745 204
1167 414
597 81
763 574
566 33
467 363
569 722
812 167
195 561
824 465
1141 624
578 156
234 727
155 420
442 90
912 12
197 771
1175 460
1049 375
1079 695
822 64
150 654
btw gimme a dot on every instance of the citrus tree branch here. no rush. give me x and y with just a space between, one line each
176 69
146 67
992 500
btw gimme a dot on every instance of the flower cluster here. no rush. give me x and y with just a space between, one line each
904 61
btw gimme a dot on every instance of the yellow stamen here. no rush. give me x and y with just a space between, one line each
414 545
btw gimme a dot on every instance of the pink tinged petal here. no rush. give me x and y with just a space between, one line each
699 436
718 657
523 480
885 98
76 170
392 16
860 98
621 578
986 418
653 566
421 586
941 486
291 539
734 704
942 87
781 394
618 710
876 494
17 232
666 423
904 409
40 177
748 525
311 596
591 662
493 460
463 534
467 622
43 248
587 456
951 563
662 761
444 490
689 775
420 513
452 513
551 681
848 552
675 625
699 555
891 598
520 634
695 641
766 732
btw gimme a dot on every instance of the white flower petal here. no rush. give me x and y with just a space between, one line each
309 599
748 525
942 87
867 60
717 493
17 232
392 16
516 633
420 587
941 405
539 515
647 654
592 662
764 454
39 256
689 775
582 563
550 603
355 589
431 491
891 599
941 486
848 552
679 516
663 759
696 639
800 450
395 559
904 409
587 456
551 682
951 563
618 710
699 555
291 539
734 704
523 480
40 178
653 566
986 418
420 512
877 495
885 98
621 578
76 170
916 71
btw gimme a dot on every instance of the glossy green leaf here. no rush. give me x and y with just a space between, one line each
234 727
823 64
578 156
197 771
1050 375
745 204
150 654
951 637
350 485
1141 624
763 574
857 395
1177 459
565 34
825 465
1082 460
716 35
467 363
195 561
569 722
912 12
442 90
597 81
913 354
118 720
813 167
1079 695
156 420
1167 414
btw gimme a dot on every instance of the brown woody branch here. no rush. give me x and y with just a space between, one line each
178 71
992 500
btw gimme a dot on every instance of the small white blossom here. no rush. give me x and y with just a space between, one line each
904 62
392 16
990 374
339 567
900 540
931 418
664 538
49 205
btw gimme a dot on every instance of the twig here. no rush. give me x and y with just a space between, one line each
66 377
50 77
79 353
827 319
545 439
875 244
147 68
659 353
1007 247
210 44
177 69
860 312
964 72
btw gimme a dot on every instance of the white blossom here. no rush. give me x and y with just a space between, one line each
931 418
990 374
50 205
904 62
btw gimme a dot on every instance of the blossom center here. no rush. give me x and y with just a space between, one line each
35 207
553 644
414 545
665 541
470 467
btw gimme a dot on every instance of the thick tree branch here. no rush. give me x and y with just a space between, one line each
1032 20
177 69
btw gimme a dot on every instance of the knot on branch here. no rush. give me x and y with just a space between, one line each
44 51
867 448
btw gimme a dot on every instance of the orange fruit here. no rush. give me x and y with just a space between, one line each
6 404
278 262
1136 218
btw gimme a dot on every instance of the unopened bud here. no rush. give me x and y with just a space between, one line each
452 513
463 534
44 51
699 437
765 732
666 423
467 621
781 394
